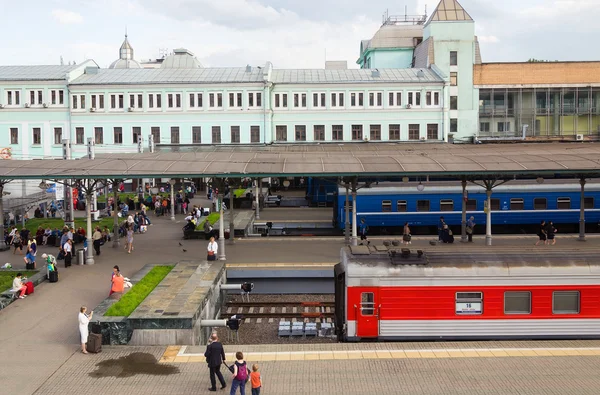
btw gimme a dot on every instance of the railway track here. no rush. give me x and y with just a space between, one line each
318 311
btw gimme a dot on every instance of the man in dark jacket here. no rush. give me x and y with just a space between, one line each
215 356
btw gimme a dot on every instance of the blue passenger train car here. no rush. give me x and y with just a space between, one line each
516 206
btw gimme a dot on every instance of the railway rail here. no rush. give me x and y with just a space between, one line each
271 310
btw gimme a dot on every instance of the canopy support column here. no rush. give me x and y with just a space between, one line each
582 210
463 227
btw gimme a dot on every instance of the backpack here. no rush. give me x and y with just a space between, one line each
242 373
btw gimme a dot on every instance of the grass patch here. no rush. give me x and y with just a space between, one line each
7 277
129 195
132 299
212 219
239 193
33 223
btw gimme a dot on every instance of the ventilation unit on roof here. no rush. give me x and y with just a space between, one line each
375 73
248 69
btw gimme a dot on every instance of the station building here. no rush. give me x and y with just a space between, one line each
420 80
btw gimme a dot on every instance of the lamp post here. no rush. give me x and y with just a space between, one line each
172 183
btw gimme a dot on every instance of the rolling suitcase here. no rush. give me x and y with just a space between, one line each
29 286
53 276
29 266
94 343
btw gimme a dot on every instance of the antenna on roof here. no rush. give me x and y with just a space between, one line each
62 61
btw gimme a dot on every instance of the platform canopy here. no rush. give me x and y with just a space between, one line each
365 159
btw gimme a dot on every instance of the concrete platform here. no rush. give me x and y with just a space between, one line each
242 222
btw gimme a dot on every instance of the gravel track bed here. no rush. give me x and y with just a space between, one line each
292 298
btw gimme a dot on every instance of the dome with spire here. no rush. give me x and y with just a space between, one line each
125 60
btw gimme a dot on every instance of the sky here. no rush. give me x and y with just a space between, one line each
289 33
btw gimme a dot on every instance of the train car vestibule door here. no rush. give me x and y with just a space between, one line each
368 314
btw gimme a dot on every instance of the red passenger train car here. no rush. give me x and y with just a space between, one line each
389 293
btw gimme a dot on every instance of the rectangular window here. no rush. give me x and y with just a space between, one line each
454 102
563 203
37 136
469 303
215 100
495 203
14 136
432 131
98 135
94 101
540 204
196 134
357 132
281 133
453 58
517 302
79 136
281 100
151 101
422 205
132 101
367 303
401 206
57 97
394 132
588 202
484 127
394 99
74 102
216 134
16 95
118 135
471 205
375 133
517 204
386 206
158 100
61 97
174 135
337 100
113 101
254 99
196 100
375 99
136 134
174 100
299 100
255 134
53 97
32 97
58 136
235 99
453 125
41 97
432 98
446 205
453 79
319 100
235 134
300 133
414 99
140 101
319 132
565 302
121 105
414 132
155 130
356 99
503 126
101 102
135 101
82 102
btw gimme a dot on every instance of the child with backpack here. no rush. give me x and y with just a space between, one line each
240 374
255 380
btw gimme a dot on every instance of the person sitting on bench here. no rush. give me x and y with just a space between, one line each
18 286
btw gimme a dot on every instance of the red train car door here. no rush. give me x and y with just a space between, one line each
368 314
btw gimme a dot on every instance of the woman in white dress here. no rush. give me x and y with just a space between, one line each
84 321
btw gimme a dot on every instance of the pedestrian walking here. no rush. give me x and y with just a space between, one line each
441 224
97 240
470 228
211 250
363 230
84 321
240 374
129 245
67 249
255 380
550 232
542 233
406 236
15 240
215 356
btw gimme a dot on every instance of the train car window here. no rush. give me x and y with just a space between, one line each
588 202
563 203
517 302
386 205
401 206
367 303
471 205
495 203
565 302
517 204
446 205
469 303
539 204
422 205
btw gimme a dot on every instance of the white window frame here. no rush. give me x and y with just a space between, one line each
299 96
196 101
337 96
278 99
36 97
137 104
173 96
252 103
117 108
433 95
77 98
97 98
14 97
154 101
214 96
236 104
357 96
395 96
321 102
414 99
377 99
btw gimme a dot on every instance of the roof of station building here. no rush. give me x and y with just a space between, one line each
309 76
367 159
35 73
536 73
450 11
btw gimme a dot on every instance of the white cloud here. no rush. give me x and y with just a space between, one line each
488 39
67 17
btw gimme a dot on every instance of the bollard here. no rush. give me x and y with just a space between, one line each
80 256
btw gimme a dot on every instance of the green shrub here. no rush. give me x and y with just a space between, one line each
136 295
239 193
212 219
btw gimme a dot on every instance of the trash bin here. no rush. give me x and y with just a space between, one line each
80 256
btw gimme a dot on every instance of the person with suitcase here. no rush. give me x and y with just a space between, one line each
67 249
51 268
84 321
29 261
